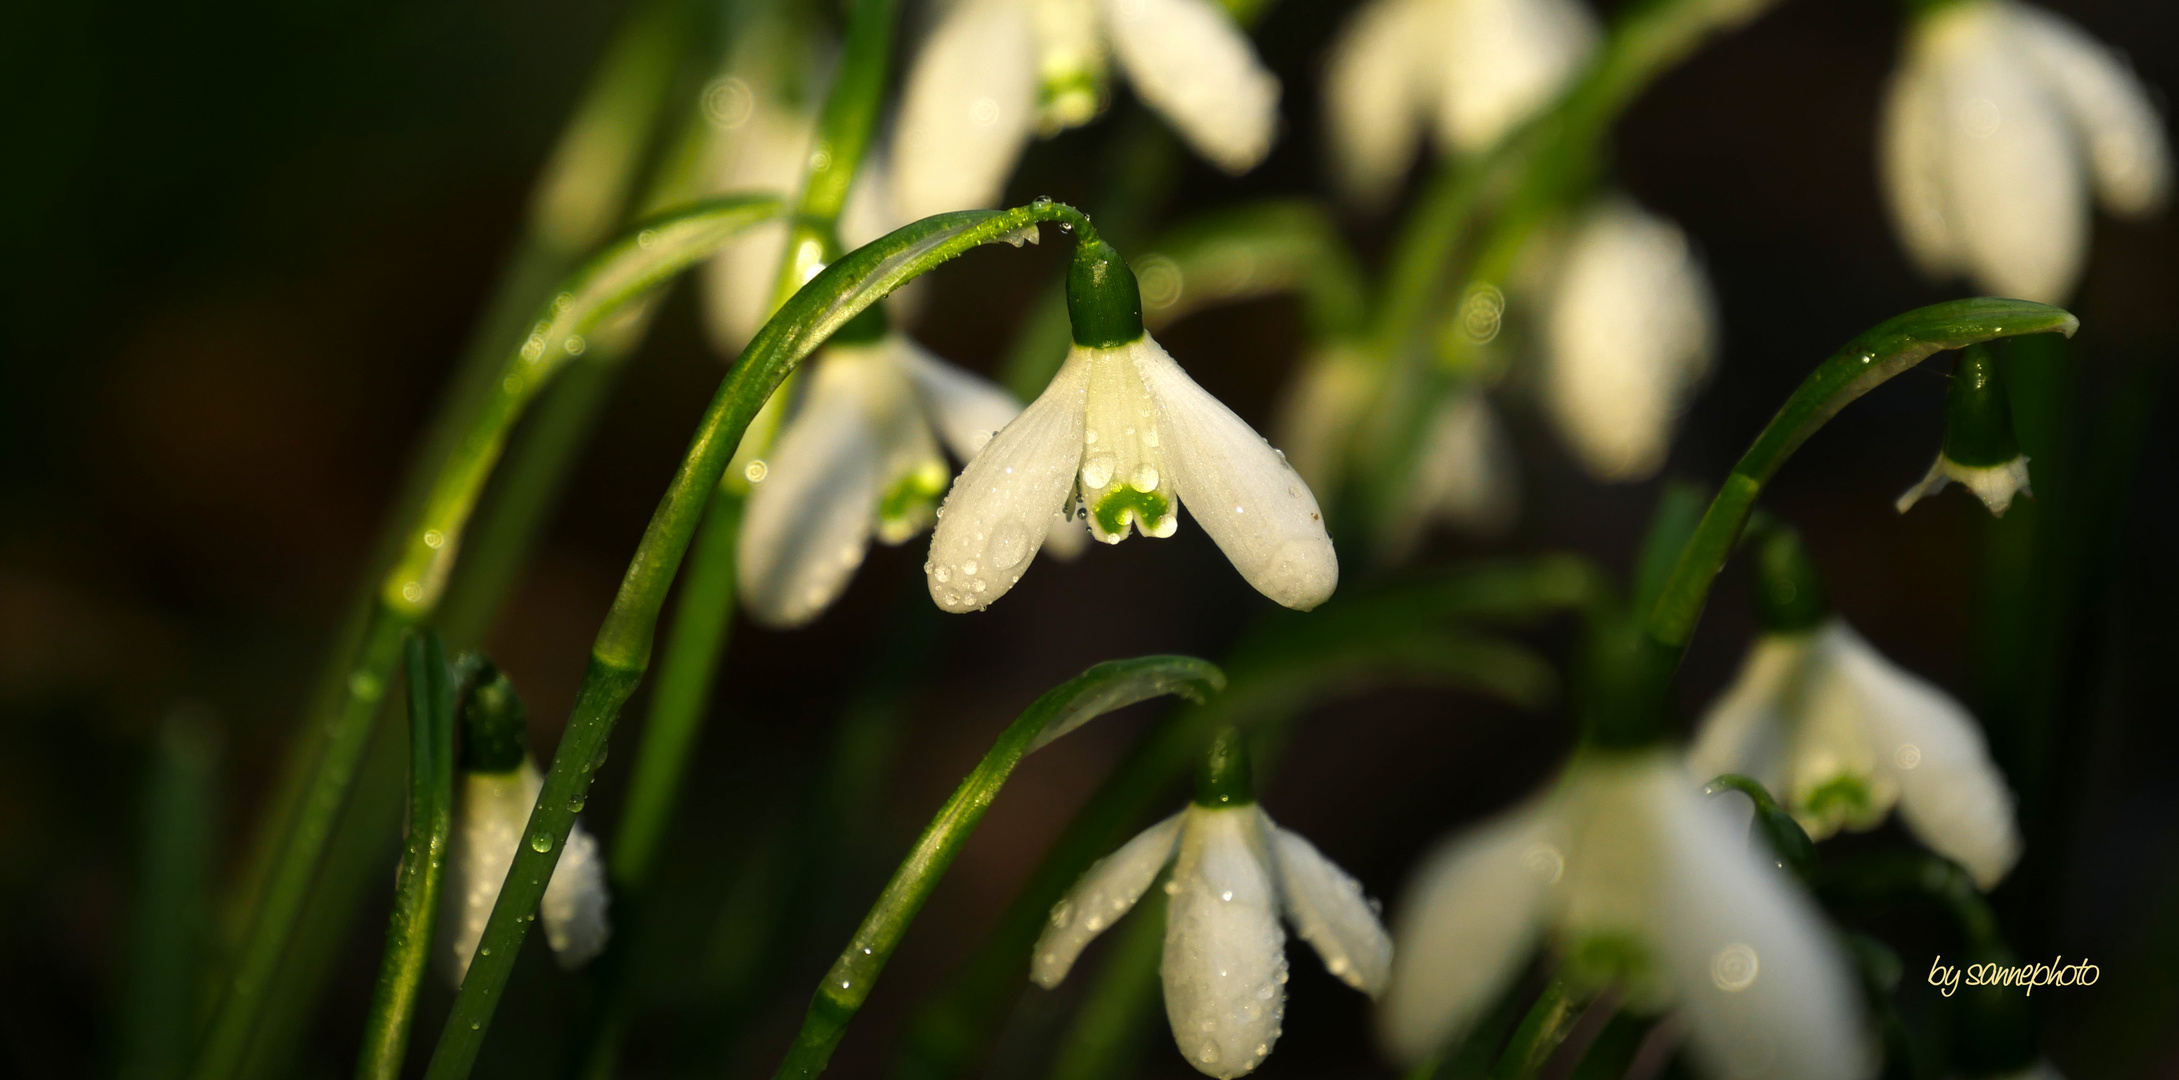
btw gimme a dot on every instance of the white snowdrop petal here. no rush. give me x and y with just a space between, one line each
1225 953
574 908
1106 891
1378 88
1504 59
1008 499
1911 149
1240 490
2127 151
766 152
967 110
1931 483
1951 794
490 810
1628 332
966 408
807 525
2011 165
1745 730
1328 910
1187 60
1756 972
1468 922
737 285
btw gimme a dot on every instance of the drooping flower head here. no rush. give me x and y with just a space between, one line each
1628 330
1980 451
495 790
993 72
1123 437
1634 880
1844 736
1234 874
861 457
1465 70
2000 121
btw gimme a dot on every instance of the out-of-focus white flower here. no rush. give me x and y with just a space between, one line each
1127 436
1638 882
1464 476
763 116
490 811
861 456
1628 330
1225 953
1997 125
994 72
1323 407
1843 735
1995 485
1466 70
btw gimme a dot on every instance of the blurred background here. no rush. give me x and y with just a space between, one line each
241 246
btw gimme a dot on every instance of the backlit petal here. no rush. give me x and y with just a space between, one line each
1225 953
2127 151
1744 730
1468 922
1008 499
1911 149
1243 493
1755 971
1328 910
1951 794
1503 60
966 408
1187 60
967 109
1379 86
490 812
808 524
573 911
1105 892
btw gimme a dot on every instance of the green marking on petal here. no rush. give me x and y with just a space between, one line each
1604 958
1069 99
1843 800
1148 508
911 504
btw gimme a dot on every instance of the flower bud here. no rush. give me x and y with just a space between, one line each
1979 448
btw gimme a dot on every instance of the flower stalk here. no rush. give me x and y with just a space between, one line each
432 691
1099 690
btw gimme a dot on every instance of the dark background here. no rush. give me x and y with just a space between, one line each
243 243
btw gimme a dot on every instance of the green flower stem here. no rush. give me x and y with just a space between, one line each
622 650
1099 690
1860 366
416 889
640 261
845 128
168 916
1547 1024
1112 1025
1396 635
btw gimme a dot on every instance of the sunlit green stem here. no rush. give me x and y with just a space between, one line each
1547 1024
1099 690
416 888
623 647
1864 363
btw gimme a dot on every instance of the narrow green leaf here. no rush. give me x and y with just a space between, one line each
1099 690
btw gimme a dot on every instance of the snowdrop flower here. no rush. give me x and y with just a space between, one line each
861 457
494 794
995 71
1467 70
763 116
1979 451
1234 874
1639 882
1999 122
1843 735
1322 411
1123 434
1628 330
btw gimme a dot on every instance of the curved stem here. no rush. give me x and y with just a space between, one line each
1860 366
1101 689
622 650
416 889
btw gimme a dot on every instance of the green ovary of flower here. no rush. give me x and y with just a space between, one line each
1150 509
908 507
1595 960
1844 800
